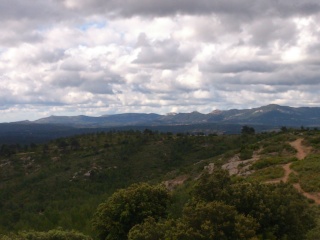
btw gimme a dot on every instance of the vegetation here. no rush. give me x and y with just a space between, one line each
271 161
57 234
247 130
129 207
61 183
309 173
268 173
238 210
110 185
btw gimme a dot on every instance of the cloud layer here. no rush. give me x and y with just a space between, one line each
68 57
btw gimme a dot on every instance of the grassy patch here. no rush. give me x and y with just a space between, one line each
271 161
309 173
293 178
278 147
269 173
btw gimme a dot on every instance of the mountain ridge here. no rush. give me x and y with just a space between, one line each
272 114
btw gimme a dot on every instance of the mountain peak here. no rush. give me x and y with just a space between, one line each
171 114
216 112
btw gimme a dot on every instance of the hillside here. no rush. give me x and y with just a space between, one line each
61 183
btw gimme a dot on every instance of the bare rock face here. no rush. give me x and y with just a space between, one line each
232 165
87 174
171 184
209 168
236 166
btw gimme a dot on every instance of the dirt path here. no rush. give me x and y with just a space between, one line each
302 151
313 196
287 171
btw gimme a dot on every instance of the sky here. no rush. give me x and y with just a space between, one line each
96 57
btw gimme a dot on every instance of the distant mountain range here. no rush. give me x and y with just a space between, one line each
271 115
266 118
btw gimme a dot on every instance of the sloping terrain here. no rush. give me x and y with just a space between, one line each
302 153
277 170
62 182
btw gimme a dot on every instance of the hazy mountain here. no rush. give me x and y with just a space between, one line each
103 121
273 115
264 118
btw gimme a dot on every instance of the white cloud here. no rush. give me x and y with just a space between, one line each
96 57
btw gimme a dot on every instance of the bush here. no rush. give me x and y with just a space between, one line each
246 154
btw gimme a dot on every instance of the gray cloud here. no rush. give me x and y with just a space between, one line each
247 9
96 57
240 66
20 10
268 30
65 79
97 87
165 54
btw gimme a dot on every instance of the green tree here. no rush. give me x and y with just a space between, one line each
211 187
129 207
214 220
150 229
200 221
278 208
247 130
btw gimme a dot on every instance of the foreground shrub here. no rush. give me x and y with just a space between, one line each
129 207
56 234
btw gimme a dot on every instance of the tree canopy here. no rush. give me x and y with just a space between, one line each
55 234
247 130
222 208
279 209
129 207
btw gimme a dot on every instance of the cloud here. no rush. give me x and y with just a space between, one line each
96 57
239 67
244 8
268 31
155 54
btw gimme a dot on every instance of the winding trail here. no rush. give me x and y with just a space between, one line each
287 170
302 152
314 196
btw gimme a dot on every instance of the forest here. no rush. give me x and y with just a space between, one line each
154 185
